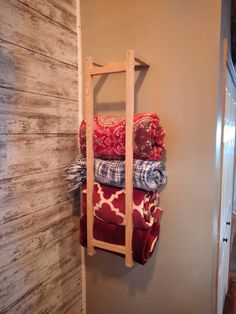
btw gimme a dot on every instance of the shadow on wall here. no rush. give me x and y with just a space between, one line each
116 106
130 277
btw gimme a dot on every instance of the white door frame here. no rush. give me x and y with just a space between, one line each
227 67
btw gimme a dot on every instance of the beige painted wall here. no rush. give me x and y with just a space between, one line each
181 39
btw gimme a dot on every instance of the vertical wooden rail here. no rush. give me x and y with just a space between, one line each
89 153
129 157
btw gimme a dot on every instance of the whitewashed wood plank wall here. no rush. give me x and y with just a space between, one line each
40 262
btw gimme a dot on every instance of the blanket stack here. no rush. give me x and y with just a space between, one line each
109 173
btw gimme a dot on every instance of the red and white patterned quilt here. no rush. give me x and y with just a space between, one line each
109 137
109 205
143 241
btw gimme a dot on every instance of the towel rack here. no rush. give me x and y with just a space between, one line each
95 67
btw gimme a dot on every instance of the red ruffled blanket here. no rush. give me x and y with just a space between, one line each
109 205
109 137
143 243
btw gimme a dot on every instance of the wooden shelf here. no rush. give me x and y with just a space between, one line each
92 68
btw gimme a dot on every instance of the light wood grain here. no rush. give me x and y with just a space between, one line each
51 296
109 69
44 280
30 235
61 11
26 27
29 113
29 71
80 118
73 306
129 115
89 152
40 260
115 67
24 195
109 246
25 154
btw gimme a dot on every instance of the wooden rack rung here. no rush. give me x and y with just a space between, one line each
109 69
93 68
109 246
115 67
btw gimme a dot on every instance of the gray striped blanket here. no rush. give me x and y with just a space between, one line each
148 175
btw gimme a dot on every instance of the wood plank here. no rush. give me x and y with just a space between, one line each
109 246
129 115
46 188
28 71
30 113
89 153
51 269
69 245
115 67
26 27
40 260
73 306
25 154
73 309
80 66
46 298
30 235
61 11
109 69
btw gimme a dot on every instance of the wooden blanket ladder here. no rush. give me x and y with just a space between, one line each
92 68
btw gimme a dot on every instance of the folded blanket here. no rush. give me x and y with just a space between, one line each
109 137
148 175
143 242
109 205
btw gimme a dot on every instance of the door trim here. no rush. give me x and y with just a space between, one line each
226 63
